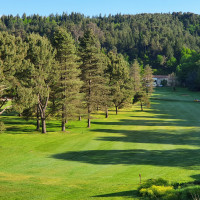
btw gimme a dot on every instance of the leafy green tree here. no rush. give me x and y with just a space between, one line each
35 87
171 64
68 85
12 53
188 68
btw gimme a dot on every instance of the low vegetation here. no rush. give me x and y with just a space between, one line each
162 189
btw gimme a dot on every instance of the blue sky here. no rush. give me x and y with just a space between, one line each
95 7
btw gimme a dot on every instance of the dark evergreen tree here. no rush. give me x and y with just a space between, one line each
147 87
135 74
92 68
147 80
67 90
120 82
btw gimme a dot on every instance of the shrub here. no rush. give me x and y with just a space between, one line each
155 191
184 185
161 189
189 193
148 183
164 83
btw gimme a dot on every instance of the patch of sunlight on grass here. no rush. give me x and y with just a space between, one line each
49 181
13 177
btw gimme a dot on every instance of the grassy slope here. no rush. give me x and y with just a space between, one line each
103 162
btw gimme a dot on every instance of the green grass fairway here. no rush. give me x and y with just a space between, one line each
103 162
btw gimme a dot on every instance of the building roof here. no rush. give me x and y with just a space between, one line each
160 76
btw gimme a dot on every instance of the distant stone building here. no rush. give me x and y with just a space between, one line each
159 78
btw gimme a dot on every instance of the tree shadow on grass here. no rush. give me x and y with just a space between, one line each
184 158
19 125
19 130
142 122
158 118
153 137
130 194
17 121
196 177
171 126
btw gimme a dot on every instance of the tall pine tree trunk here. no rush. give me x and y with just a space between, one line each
63 125
43 118
141 105
89 122
89 111
106 112
38 118
116 110
79 118
63 118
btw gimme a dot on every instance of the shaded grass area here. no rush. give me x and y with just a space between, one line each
103 162
171 158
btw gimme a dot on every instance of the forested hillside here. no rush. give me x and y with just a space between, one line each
154 39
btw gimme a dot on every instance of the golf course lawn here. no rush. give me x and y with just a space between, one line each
103 162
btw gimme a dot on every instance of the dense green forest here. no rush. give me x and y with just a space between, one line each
154 39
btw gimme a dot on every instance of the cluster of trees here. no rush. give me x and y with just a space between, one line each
71 65
154 39
188 71
60 78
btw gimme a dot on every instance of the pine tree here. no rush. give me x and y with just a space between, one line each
92 68
120 84
147 86
172 80
104 100
139 91
68 84
135 74
148 80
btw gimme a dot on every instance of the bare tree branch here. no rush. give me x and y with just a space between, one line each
5 109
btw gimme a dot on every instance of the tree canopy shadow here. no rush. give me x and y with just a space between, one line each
170 158
19 130
147 122
22 126
130 193
153 137
159 117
